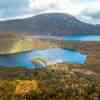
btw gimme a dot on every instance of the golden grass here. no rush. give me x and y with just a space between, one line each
51 85
19 44
25 87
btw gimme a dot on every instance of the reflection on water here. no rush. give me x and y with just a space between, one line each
53 55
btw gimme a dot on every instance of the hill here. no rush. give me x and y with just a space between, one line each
53 23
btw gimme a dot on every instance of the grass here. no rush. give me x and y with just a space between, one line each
18 44
51 84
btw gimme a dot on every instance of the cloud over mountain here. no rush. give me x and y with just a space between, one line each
12 9
91 12
84 10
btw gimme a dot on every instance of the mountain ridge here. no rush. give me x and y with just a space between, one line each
56 24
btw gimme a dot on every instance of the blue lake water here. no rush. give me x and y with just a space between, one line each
82 38
54 55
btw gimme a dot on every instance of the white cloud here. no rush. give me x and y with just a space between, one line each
64 6
12 9
91 12
82 9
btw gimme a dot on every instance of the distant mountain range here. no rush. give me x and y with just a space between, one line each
48 24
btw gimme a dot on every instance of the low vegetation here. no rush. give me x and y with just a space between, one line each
57 82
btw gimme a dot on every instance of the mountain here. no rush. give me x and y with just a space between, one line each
57 24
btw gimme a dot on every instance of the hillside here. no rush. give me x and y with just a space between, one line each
48 84
52 24
93 51
18 44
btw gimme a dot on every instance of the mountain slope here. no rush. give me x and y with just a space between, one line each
53 23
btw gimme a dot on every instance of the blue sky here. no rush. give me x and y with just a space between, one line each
85 10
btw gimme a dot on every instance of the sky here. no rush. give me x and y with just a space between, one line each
87 11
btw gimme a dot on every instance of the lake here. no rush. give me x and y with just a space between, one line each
82 38
53 56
